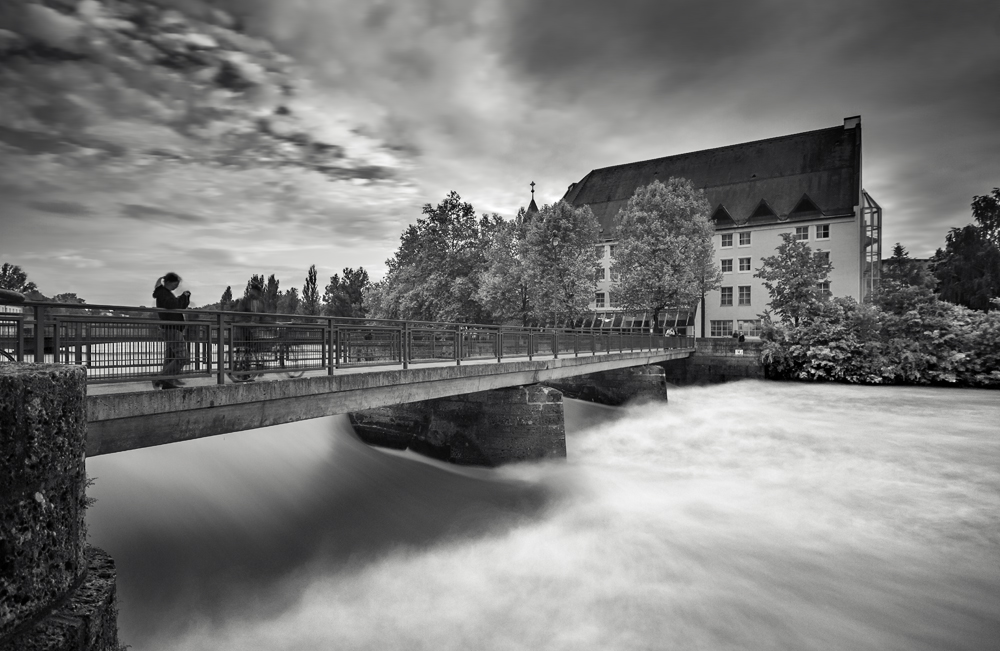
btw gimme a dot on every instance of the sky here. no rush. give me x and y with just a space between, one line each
223 138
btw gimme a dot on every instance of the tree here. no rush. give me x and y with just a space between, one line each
904 282
271 294
559 262
791 278
256 280
503 288
288 302
345 296
664 255
310 293
968 268
226 302
986 211
435 272
14 278
71 298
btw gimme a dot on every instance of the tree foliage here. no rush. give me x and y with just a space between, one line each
345 296
503 288
968 268
310 293
226 301
434 274
933 342
791 277
558 262
664 254
986 211
14 278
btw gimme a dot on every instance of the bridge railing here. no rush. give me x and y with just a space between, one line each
118 343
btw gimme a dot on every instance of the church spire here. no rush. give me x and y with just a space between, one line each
532 207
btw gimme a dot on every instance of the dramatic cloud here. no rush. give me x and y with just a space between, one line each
312 131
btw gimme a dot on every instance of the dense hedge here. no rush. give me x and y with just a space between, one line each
905 339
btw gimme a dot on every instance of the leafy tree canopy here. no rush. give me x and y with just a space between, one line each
791 276
558 262
14 278
434 275
345 296
986 212
664 255
310 293
968 268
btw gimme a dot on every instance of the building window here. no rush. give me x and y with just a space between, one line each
614 275
599 252
744 264
749 327
822 256
599 300
727 266
823 232
744 295
727 240
721 329
599 273
611 300
744 239
611 251
801 233
727 295
824 288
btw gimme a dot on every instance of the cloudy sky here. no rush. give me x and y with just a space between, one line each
220 139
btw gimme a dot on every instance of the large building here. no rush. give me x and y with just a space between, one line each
806 184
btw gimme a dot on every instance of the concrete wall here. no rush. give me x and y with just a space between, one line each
715 361
487 428
55 592
616 387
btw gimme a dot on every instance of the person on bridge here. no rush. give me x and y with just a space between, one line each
175 351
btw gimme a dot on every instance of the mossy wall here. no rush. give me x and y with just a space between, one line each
44 560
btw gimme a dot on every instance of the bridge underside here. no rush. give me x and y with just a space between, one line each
126 421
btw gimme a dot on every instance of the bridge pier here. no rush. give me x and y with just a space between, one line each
56 593
616 387
487 428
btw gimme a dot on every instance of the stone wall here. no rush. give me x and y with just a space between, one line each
487 428
616 387
55 593
716 360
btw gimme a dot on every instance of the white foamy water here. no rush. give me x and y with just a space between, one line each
742 516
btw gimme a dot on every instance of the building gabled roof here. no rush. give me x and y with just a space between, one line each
824 165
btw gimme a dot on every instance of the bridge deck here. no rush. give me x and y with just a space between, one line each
131 415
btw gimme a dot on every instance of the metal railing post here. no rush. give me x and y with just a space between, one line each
531 347
333 345
404 346
458 345
499 343
555 344
220 349
39 334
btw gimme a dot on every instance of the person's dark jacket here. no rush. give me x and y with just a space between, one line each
165 299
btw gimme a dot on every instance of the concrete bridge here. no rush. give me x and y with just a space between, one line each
468 393
123 421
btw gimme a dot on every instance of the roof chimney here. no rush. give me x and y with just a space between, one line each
850 123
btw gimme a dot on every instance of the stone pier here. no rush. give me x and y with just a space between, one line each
717 360
616 387
56 593
488 428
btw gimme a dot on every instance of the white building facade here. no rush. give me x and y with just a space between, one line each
807 185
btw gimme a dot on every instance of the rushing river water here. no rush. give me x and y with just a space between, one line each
741 516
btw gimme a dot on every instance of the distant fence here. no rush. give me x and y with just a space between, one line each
117 343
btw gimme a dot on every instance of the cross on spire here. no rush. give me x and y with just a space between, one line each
532 190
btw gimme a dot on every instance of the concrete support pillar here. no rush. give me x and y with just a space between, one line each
616 387
488 428
56 594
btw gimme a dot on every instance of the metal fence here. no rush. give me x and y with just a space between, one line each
117 343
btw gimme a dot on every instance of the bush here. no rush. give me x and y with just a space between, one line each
923 341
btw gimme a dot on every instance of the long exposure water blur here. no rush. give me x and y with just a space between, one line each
750 515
